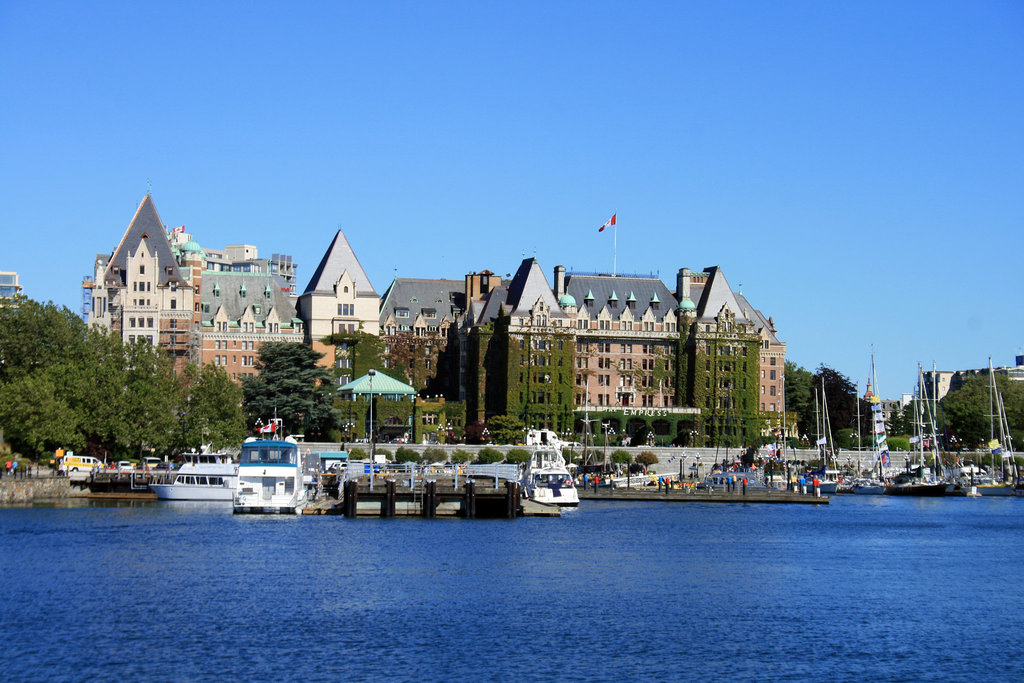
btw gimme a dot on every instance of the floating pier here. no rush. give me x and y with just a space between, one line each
475 498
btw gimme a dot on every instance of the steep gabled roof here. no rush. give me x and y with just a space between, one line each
487 310
222 291
145 225
758 318
339 258
593 292
415 295
528 285
716 294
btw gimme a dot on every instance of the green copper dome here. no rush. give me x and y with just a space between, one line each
567 300
686 305
193 247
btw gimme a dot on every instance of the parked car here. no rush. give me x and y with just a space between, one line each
125 466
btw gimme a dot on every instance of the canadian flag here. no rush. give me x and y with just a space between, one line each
267 429
180 228
611 222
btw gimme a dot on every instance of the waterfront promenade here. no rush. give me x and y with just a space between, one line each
689 495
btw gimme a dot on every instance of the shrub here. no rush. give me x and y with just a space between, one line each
404 454
461 456
356 454
898 443
647 458
517 456
487 456
434 455
623 457
382 453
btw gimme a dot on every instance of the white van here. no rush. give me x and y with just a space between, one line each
79 463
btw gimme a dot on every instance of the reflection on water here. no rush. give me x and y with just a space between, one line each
610 591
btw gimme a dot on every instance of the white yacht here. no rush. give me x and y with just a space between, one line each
546 479
203 476
270 475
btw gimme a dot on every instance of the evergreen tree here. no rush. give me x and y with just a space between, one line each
293 387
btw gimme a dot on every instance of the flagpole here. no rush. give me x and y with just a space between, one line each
615 243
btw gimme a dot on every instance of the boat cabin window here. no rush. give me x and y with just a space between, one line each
269 455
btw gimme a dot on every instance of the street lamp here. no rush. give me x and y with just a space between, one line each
373 460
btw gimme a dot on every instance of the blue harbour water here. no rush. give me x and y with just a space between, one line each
893 589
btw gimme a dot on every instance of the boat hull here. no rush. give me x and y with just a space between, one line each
190 492
267 510
870 490
568 497
995 490
929 490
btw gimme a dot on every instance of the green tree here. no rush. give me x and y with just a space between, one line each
800 398
840 397
506 429
36 414
149 402
209 408
35 336
967 410
900 421
293 387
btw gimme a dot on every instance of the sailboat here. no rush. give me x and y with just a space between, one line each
879 446
828 476
990 485
919 481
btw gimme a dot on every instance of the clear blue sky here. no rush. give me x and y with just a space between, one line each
857 166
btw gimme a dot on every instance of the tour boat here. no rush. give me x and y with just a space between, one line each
270 477
546 479
203 476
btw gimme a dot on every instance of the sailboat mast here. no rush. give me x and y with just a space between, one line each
817 422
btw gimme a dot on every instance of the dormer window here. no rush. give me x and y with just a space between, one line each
242 290
216 289
266 292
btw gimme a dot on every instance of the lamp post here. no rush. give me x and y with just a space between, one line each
373 460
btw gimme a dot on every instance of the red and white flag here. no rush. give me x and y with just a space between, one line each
267 428
179 229
611 222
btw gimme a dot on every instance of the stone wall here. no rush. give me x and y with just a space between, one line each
34 490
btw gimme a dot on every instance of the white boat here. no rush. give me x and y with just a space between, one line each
866 486
270 477
546 478
203 476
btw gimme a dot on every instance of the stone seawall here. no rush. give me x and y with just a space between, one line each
26 491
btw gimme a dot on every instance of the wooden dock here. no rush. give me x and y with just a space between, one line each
472 499
688 495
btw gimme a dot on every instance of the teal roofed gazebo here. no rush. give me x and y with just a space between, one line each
381 385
